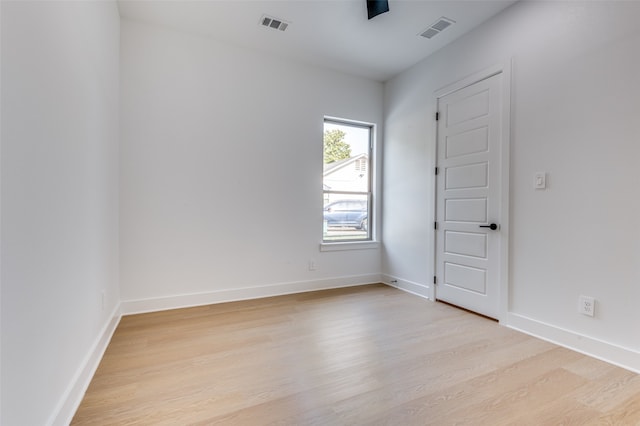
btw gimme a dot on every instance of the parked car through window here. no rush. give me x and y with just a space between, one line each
347 213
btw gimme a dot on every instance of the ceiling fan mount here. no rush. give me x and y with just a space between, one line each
376 7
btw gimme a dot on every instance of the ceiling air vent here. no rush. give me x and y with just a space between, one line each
275 23
435 29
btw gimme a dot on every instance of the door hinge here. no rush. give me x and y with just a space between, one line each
435 280
437 171
437 116
435 225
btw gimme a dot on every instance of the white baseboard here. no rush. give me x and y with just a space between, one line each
605 351
406 285
71 399
139 306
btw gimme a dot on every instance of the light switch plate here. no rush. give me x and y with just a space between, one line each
540 180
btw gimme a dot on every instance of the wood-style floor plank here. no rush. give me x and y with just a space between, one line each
369 355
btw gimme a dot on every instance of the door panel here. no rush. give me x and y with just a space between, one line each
465 278
468 195
468 107
466 176
469 142
466 210
465 244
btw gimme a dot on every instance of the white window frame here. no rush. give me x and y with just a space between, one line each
370 242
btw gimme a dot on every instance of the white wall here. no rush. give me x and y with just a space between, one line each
575 106
221 171
59 200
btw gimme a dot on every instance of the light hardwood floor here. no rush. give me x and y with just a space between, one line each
369 355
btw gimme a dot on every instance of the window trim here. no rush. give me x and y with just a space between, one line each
370 241
349 245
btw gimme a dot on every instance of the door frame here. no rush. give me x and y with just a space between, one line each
503 68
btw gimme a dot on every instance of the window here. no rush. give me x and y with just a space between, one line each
347 196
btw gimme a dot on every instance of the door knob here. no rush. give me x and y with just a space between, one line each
493 226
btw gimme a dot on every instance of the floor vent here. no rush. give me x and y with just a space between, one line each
275 23
439 26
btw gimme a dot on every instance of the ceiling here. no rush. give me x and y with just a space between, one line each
330 33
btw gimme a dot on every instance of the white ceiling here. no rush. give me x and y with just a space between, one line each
330 33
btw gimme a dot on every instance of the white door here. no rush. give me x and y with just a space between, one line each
468 197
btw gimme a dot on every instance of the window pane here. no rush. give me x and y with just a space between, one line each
346 181
346 158
346 217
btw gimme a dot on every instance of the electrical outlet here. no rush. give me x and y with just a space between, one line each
587 305
312 265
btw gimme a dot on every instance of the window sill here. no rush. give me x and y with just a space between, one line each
351 245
